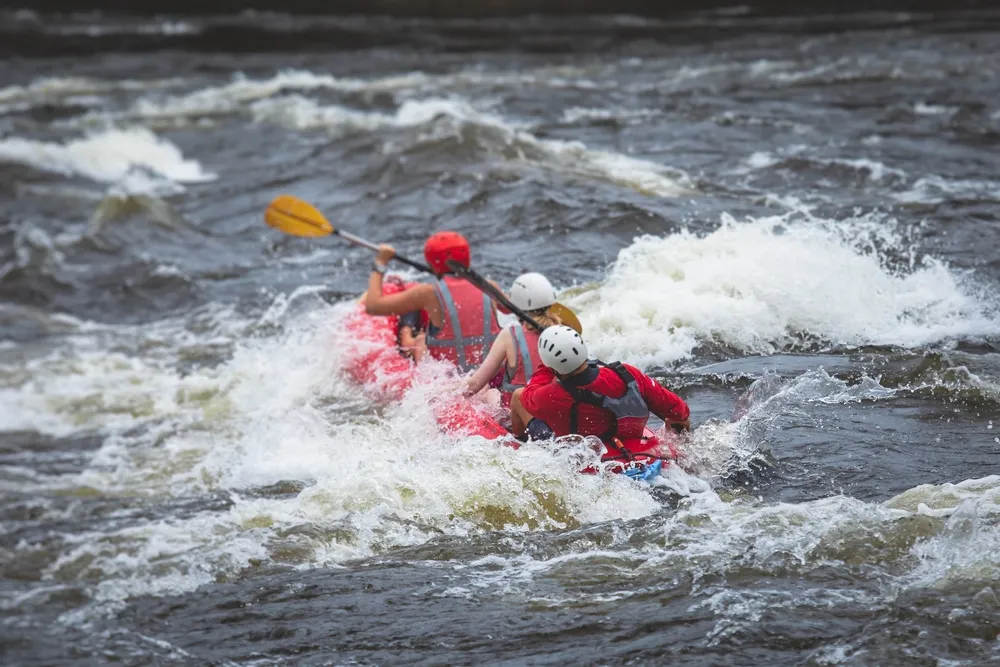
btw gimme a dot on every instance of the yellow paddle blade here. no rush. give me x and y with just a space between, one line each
296 217
567 316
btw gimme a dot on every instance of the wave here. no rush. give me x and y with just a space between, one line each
277 410
313 474
233 97
496 135
72 90
773 284
134 160
863 168
936 189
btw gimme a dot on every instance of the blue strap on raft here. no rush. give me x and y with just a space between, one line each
644 472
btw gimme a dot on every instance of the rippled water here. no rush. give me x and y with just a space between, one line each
792 222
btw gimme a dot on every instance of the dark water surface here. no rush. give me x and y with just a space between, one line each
793 222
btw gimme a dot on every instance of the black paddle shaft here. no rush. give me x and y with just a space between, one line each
485 286
417 265
357 240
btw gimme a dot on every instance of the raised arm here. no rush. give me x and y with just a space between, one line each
400 303
419 297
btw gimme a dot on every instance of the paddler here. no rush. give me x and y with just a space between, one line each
461 321
576 395
518 343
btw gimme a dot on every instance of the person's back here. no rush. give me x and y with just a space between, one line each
524 346
515 351
612 402
461 322
468 325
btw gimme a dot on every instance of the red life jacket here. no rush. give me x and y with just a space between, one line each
526 349
630 412
468 324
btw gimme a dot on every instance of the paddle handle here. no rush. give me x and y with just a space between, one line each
485 286
357 240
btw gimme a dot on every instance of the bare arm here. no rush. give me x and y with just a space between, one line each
400 303
491 364
420 297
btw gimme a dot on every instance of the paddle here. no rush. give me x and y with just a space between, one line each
300 218
488 288
566 316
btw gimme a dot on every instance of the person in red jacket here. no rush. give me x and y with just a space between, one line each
574 395
461 321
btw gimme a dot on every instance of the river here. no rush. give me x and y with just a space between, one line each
793 222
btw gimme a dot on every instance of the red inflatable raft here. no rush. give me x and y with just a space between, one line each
373 361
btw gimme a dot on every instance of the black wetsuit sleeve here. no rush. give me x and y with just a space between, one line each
412 320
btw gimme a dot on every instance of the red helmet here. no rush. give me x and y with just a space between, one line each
443 246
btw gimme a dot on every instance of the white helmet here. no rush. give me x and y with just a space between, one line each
532 291
562 349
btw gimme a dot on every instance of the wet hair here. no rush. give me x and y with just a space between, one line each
544 318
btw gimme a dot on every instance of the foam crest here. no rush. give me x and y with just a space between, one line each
796 158
570 158
932 535
774 284
936 189
233 96
966 543
50 89
129 157
301 113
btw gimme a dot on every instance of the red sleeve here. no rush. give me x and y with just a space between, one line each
542 395
665 404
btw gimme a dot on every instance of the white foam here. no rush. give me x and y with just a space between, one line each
74 90
872 169
232 97
936 189
876 170
301 113
924 109
768 284
278 410
575 115
965 546
112 156
954 538
377 479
